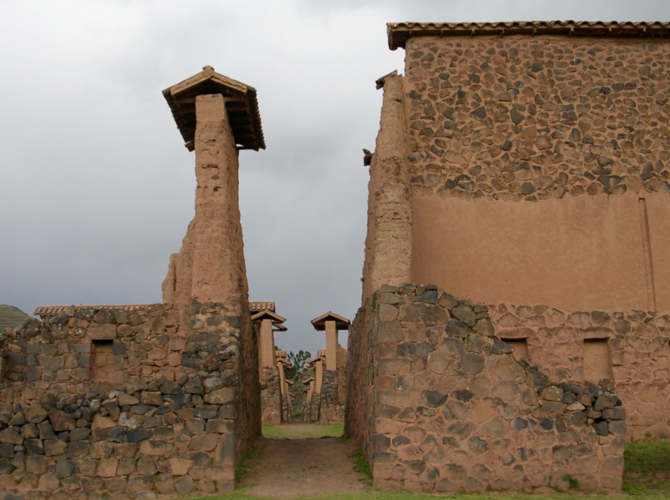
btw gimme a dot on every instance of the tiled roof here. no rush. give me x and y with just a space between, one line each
241 106
340 321
44 311
399 33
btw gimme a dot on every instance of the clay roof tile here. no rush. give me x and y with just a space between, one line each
399 33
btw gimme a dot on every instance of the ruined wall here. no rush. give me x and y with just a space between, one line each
529 156
271 400
629 348
452 410
331 405
172 421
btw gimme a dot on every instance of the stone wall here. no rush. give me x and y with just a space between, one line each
331 405
172 422
451 409
271 400
521 118
634 353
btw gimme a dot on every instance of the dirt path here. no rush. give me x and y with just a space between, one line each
286 467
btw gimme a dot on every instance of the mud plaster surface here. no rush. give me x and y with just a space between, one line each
286 467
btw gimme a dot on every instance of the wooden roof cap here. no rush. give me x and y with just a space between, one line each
399 33
241 106
341 323
276 318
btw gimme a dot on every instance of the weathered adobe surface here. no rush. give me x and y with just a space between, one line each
521 118
638 353
439 403
173 422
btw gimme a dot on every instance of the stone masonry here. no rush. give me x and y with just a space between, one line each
440 404
516 163
130 401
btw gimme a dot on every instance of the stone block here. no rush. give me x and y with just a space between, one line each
156 448
10 436
220 473
137 483
220 396
183 485
107 467
48 482
36 464
61 421
66 468
153 398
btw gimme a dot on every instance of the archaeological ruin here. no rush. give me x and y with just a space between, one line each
514 325
514 328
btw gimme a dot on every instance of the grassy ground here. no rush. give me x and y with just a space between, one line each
647 469
646 476
303 430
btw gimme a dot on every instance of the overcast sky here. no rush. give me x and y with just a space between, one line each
97 189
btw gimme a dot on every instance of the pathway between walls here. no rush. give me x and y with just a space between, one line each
288 466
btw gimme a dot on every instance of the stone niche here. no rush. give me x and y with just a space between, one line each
439 403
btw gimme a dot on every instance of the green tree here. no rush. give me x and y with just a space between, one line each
299 362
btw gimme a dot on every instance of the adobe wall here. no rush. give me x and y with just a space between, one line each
175 419
440 404
529 157
629 348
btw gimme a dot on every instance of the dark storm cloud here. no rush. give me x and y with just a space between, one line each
96 188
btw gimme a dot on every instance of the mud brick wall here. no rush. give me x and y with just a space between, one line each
536 118
634 353
453 410
169 421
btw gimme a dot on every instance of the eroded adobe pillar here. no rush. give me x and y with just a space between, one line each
331 323
217 116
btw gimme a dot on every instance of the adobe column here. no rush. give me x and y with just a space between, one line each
218 259
331 323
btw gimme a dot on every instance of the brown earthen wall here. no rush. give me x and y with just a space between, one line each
451 409
578 126
633 352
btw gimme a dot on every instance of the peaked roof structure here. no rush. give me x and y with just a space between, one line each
276 318
340 322
241 106
399 33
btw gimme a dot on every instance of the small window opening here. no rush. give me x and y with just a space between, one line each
597 360
520 348
102 361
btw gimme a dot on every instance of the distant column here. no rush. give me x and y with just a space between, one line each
331 323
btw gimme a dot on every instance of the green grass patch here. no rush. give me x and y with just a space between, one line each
303 430
647 456
647 469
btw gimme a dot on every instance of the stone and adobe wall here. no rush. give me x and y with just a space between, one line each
527 163
631 349
537 167
439 403
172 420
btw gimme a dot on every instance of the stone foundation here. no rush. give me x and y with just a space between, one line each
174 419
438 402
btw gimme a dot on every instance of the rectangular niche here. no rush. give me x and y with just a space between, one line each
520 348
597 364
102 361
